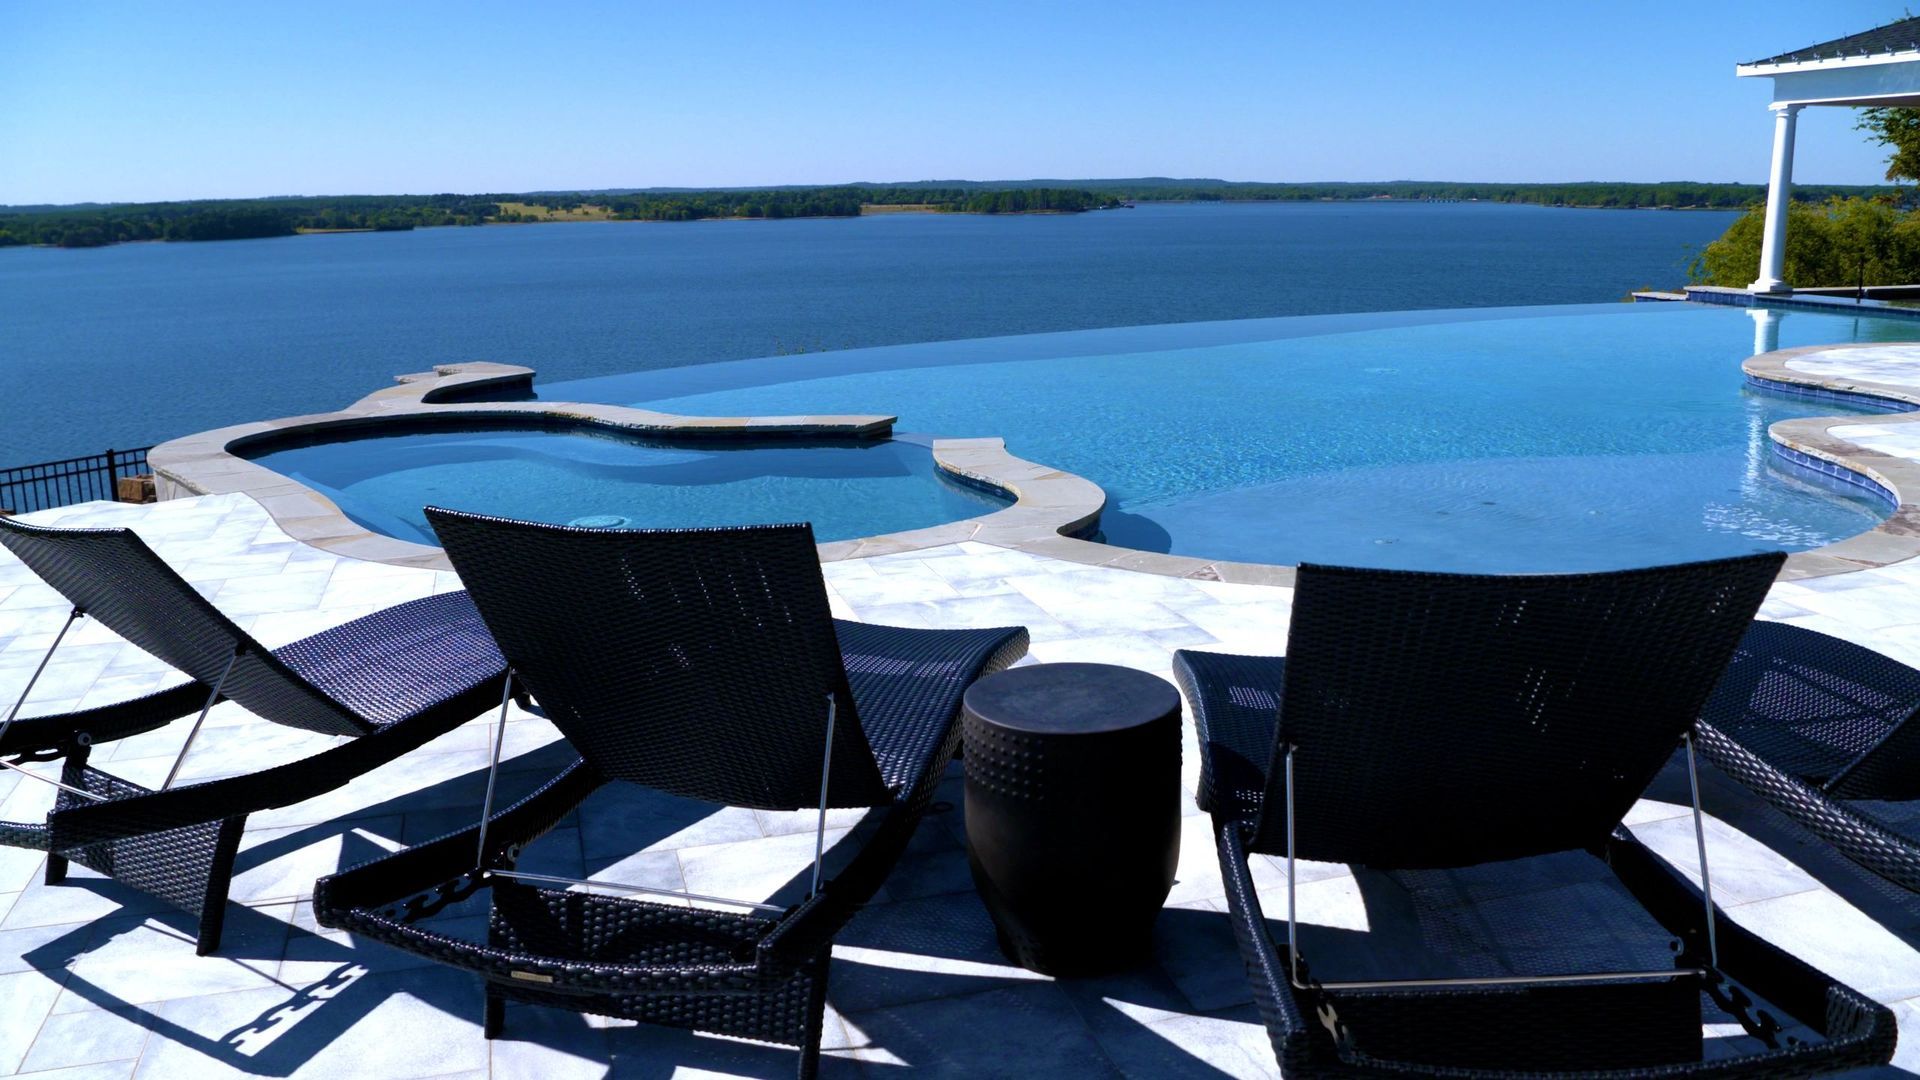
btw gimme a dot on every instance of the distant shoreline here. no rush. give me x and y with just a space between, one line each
93 235
92 225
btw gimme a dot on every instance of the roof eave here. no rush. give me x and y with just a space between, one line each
1764 67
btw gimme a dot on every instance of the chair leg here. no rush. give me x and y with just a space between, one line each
493 1013
213 905
212 922
73 772
816 1019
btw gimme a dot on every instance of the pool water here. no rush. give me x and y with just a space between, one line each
846 489
1515 440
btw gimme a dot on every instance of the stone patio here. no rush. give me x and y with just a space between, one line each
99 981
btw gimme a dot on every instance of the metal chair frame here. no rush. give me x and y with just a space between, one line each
179 759
486 818
1706 889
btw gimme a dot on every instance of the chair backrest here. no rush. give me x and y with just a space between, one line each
694 661
113 576
1834 714
1451 719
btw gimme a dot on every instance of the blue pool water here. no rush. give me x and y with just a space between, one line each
846 489
1520 439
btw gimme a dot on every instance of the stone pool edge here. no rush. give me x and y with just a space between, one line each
1047 503
1898 537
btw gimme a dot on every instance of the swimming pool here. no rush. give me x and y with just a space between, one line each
847 489
1515 439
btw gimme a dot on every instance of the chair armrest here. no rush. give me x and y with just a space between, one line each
104 723
1291 1031
281 785
393 878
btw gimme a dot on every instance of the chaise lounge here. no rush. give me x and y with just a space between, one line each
1824 730
389 682
702 663
1470 745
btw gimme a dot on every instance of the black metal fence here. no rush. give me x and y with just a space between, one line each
26 488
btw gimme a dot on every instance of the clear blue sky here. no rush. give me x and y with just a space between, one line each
104 101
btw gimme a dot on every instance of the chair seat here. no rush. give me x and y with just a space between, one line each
401 661
907 685
1234 701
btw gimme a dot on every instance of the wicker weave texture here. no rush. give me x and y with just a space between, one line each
113 576
1829 712
1571 691
694 661
1824 730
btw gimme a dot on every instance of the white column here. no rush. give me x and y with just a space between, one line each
1773 243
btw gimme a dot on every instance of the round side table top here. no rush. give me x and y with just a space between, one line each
1070 699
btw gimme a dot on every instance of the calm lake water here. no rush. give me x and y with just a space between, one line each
130 345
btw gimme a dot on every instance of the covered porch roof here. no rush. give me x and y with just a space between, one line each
1875 67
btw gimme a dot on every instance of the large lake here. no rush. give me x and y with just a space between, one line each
130 345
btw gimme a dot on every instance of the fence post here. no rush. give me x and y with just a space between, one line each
113 477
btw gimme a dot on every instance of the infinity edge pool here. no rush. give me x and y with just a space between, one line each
1054 511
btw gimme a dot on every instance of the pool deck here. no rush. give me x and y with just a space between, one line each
100 981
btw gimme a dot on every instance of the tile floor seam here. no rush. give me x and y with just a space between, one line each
38 1031
64 1068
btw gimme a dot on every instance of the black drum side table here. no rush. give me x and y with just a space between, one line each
1073 811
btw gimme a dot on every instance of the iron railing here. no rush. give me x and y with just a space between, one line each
26 488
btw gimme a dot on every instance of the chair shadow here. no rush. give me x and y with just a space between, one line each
947 937
455 801
1894 908
293 1030
312 1016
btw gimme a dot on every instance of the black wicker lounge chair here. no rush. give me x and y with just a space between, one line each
1824 730
702 663
1424 726
390 681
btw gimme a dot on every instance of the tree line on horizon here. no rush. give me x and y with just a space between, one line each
228 219
844 201
237 219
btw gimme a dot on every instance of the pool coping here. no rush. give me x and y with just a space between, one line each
1047 502
1898 537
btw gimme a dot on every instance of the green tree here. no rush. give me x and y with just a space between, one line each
1842 242
1900 130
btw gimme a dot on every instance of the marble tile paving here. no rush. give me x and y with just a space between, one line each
1893 364
97 980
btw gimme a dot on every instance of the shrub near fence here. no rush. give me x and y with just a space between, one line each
26 488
